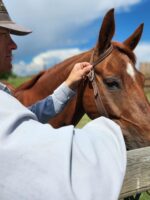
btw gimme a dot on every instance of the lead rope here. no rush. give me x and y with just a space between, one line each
91 76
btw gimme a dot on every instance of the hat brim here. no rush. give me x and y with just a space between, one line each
14 28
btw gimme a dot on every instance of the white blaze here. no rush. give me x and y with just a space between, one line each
130 70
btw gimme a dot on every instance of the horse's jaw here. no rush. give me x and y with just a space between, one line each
134 137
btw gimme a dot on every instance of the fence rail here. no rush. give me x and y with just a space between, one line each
147 84
137 177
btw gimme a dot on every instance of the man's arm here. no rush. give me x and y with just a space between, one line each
53 104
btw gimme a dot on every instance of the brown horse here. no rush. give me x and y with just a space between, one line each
115 89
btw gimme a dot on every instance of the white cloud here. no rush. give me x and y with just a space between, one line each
43 61
55 14
53 20
49 58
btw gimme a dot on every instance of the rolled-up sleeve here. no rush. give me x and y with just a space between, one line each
53 104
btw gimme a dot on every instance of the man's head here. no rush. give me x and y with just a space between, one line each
7 23
7 27
6 47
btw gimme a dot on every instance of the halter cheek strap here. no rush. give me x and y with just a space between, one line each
91 76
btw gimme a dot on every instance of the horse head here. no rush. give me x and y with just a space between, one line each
118 85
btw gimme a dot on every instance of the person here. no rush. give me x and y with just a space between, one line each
38 162
53 104
7 27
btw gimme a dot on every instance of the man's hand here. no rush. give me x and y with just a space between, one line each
79 72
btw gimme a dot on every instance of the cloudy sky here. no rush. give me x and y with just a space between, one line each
62 28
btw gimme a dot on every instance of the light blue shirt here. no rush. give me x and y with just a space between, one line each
51 105
5 88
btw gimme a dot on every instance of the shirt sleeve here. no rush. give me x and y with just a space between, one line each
5 88
53 104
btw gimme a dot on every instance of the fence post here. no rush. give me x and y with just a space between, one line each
137 178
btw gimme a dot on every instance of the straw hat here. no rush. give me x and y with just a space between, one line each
7 23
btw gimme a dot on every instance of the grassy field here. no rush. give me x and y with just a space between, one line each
148 96
16 81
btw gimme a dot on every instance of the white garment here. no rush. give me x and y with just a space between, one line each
38 162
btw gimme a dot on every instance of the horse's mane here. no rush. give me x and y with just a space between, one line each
64 66
31 82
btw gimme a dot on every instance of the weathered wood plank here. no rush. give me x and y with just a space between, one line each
137 177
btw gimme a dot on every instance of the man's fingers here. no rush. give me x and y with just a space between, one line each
84 64
87 69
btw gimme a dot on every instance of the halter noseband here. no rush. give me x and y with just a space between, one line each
91 76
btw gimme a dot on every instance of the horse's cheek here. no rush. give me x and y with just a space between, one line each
89 103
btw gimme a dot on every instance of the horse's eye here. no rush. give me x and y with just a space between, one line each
112 84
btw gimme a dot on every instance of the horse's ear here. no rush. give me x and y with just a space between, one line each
133 40
106 32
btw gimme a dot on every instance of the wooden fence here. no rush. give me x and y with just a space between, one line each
137 177
147 84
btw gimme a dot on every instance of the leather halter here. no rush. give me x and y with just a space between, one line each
91 76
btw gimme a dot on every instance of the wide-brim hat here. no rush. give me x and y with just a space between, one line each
7 23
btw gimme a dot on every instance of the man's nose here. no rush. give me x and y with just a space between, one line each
12 44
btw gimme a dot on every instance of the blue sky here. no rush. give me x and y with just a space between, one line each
62 28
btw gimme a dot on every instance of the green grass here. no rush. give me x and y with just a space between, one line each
148 95
16 81
85 119
145 196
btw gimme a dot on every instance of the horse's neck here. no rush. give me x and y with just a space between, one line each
73 111
45 83
53 77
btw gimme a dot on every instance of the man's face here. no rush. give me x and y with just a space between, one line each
6 47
